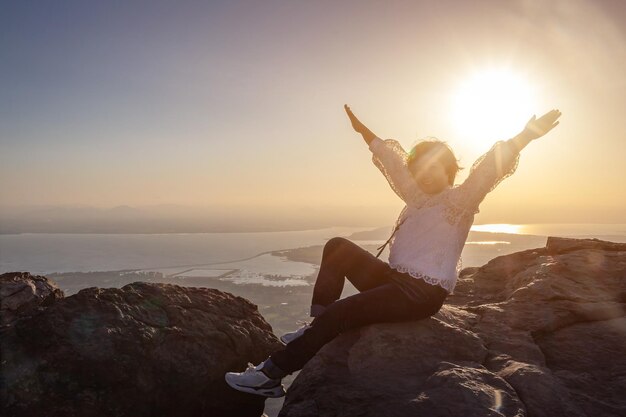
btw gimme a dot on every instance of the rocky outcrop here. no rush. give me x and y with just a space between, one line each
536 333
22 294
141 350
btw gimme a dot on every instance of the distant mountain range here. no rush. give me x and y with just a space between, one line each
176 219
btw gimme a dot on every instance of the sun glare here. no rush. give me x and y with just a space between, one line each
497 228
491 105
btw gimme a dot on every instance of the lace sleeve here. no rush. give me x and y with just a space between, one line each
390 158
486 173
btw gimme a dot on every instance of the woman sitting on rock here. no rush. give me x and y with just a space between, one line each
425 249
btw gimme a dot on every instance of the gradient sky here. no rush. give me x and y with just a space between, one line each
239 103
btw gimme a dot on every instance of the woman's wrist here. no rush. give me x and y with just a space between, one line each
520 141
368 136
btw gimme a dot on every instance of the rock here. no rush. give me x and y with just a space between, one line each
141 350
556 245
536 333
22 294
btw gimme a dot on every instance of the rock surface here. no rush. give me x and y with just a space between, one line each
536 333
141 350
21 294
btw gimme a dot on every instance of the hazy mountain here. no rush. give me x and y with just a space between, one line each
169 218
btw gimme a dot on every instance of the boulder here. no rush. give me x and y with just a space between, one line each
140 350
538 333
21 294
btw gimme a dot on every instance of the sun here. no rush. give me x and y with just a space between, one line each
492 104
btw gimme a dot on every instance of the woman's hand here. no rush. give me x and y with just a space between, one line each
368 135
356 123
536 128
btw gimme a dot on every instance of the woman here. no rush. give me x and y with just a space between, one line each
424 252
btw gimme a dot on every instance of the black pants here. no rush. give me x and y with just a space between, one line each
380 300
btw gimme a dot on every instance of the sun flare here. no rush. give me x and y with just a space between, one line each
514 229
491 105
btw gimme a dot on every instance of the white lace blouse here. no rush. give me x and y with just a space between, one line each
434 228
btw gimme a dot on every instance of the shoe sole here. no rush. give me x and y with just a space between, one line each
273 392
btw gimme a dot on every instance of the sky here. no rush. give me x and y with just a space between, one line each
238 104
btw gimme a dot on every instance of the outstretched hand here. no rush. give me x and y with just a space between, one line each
356 123
536 128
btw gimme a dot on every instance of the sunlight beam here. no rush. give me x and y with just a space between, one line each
492 104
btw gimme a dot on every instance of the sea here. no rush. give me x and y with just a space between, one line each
210 254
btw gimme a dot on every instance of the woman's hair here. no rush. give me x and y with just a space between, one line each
443 152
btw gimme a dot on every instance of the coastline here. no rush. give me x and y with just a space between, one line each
175 253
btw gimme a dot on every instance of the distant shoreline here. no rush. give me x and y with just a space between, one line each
556 229
310 254
177 233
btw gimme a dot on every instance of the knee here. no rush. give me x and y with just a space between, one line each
334 244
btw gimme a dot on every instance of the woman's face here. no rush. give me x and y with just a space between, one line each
430 173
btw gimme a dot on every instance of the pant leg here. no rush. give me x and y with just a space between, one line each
342 259
385 303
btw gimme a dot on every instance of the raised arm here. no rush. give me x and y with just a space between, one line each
390 158
368 135
501 161
535 128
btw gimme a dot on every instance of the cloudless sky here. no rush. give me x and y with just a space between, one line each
239 103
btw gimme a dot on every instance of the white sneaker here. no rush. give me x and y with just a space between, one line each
253 381
291 336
